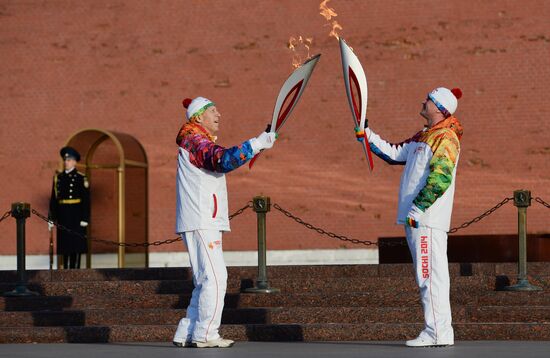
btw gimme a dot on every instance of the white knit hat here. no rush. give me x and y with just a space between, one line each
445 100
197 106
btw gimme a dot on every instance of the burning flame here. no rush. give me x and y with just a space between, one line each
335 26
295 45
298 44
328 13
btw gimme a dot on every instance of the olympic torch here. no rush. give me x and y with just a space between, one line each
289 95
357 91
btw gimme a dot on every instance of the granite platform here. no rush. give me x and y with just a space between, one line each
316 303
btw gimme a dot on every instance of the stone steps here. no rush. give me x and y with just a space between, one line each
272 315
244 300
321 271
354 302
353 284
274 332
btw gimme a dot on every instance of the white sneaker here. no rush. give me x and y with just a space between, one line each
422 342
214 343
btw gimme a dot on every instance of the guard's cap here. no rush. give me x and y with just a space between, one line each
69 153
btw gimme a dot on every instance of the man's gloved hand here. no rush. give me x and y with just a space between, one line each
83 223
50 225
413 217
360 132
263 141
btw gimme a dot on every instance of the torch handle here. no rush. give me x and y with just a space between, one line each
368 154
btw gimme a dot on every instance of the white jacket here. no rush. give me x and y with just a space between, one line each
201 191
428 180
201 201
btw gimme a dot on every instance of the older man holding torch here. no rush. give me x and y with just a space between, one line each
425 205
202 216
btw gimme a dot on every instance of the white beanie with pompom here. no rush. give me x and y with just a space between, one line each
446 100
197 106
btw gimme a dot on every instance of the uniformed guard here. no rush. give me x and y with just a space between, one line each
70 207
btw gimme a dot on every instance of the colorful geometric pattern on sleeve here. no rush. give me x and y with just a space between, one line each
205 154
444 140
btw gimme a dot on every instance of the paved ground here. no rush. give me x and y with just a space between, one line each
471 349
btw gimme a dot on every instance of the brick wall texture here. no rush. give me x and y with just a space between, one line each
126 65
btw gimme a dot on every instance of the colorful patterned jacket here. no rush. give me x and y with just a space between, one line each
428 180
201 198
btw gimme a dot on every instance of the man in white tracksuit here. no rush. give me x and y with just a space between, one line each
202 217
425 205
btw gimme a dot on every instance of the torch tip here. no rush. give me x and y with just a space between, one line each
312 58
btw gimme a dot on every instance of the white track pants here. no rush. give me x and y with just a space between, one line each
429 252
204 313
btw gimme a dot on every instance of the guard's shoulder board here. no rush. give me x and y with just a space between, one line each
55 179
85 180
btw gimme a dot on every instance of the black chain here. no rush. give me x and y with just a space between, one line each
368 243
480 217
287 214
125 244
539 200
321 231
5 216
241 210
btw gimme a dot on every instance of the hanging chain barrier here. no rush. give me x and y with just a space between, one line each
321 231
480 217
287 214
241 210
5 216
125 244
539 200
369 243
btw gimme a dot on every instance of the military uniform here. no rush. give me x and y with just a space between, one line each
70 207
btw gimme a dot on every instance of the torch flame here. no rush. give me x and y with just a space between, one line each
335 26
291 42
297 44
294 44
328 13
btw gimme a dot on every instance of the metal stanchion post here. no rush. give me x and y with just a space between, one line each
261 206
21 211
51 250
522 200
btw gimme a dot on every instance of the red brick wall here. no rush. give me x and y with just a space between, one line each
126 65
